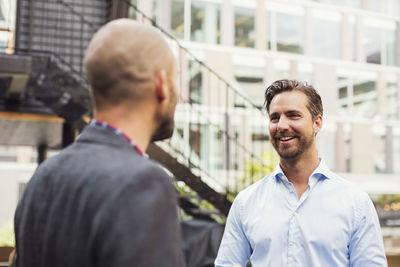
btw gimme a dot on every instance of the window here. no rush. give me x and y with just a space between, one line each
244 27
7 25
372 46
289 33
379 132
205 24
195 83
392 99
389 37
352 38
132 11
206 142
396 149
393 7
351 3
357 93
326 34
285 28
379 41
365 98
177 18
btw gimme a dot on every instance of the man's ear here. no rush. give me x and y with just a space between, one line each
317 123
161 85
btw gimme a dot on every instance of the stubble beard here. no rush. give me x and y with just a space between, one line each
164 130
292 153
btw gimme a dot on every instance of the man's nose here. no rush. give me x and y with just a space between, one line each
283 124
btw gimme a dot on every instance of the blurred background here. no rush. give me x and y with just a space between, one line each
228 51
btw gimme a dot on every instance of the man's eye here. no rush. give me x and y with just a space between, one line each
274 118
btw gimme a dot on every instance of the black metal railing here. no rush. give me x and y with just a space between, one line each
61 28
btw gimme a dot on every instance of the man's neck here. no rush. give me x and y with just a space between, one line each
299 170
135 126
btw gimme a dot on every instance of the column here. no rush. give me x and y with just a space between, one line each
308 29
164 14
361 149
210 22
346 42
340 151
261 24
389 149
325 81
381 94
147 8
359 40
227 23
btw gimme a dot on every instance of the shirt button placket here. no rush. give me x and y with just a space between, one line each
291 246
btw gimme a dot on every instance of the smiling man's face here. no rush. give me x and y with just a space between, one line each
291 127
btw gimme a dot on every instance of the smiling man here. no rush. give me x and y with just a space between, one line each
301 214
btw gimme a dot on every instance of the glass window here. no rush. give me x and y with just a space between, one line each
372 45
345 96
396 149
354 3
244 26
379 156
4 39
376 5
352 38
289 33
132 11
326 34
7 25
357 94
392 100
206 144
1 14
379 41
155 10
365 98
393 7
177 18
195 83
389 37
205 25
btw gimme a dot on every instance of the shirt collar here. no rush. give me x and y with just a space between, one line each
322 171
117 131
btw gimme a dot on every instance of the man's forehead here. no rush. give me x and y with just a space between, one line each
296 99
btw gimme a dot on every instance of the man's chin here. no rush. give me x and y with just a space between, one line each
161 136
165 131
288 155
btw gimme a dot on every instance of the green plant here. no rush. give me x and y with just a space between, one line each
7 236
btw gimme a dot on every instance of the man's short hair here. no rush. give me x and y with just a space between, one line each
314 104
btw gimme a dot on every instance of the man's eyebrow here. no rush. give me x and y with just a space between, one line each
292 111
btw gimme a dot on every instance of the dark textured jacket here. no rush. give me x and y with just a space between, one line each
98 203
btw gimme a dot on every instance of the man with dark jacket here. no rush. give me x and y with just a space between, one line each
102 201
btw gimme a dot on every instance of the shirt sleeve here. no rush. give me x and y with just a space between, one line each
140 225
235 247
366 244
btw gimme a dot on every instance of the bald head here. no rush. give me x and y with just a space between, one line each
122 61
